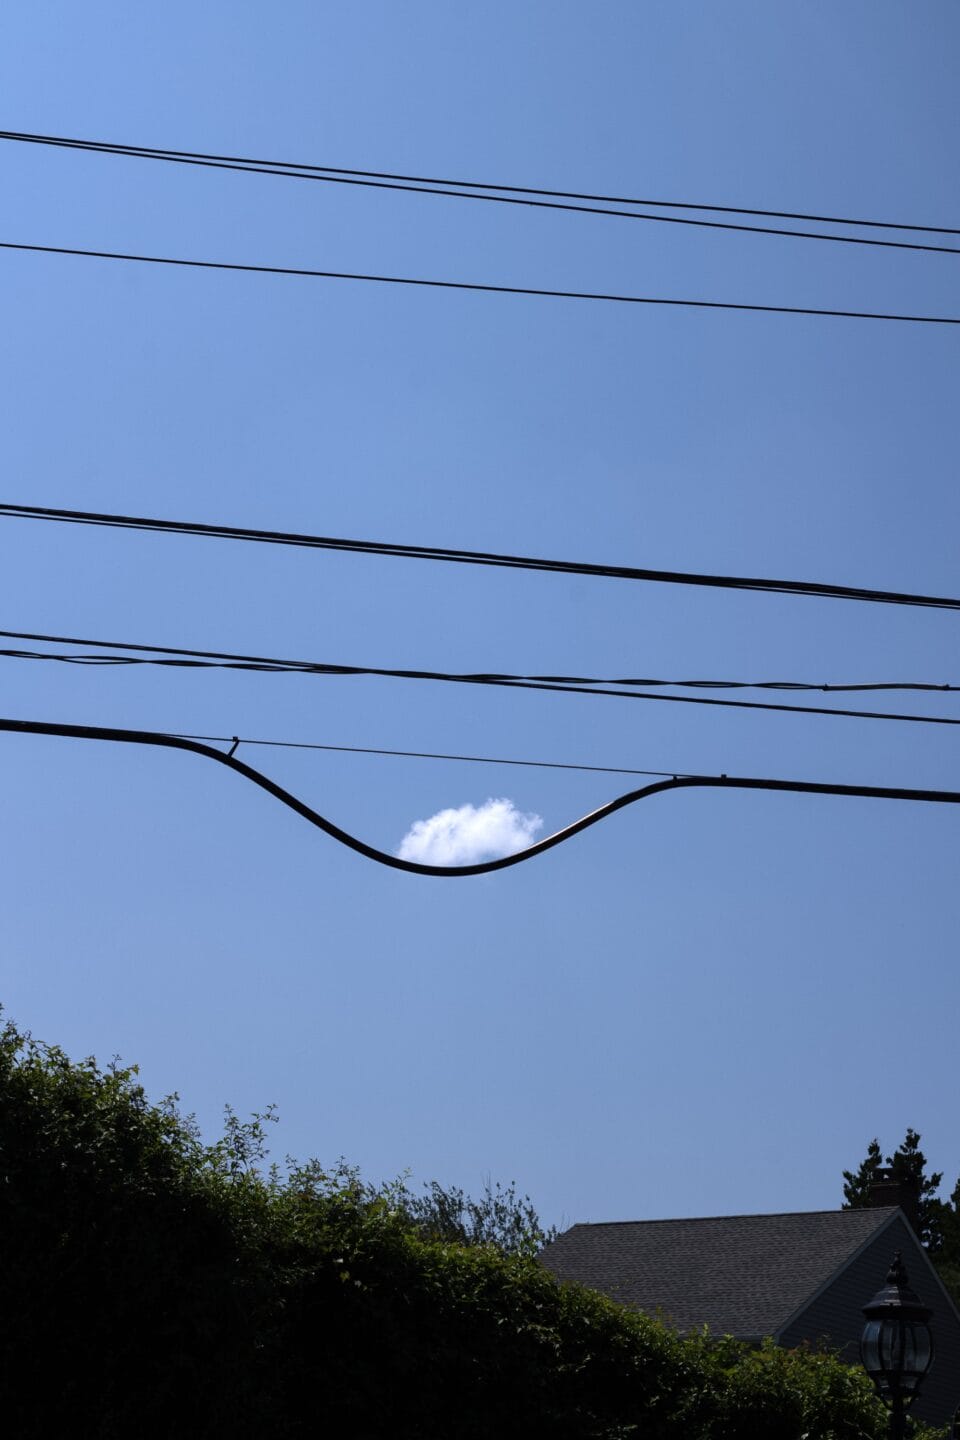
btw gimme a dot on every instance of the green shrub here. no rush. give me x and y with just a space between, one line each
154 1285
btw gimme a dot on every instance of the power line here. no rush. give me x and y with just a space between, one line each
477 557
472 191
413 867
300 666
212 659
236 740
152 151
468 285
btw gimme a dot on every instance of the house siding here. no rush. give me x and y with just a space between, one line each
838 1312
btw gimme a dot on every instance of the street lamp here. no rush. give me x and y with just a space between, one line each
896 1346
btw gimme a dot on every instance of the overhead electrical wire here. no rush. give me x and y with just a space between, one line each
478 184
414 867
814 588
236 740
477 286
180 658
467 190
317 667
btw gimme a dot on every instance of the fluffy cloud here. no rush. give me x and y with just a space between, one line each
469 834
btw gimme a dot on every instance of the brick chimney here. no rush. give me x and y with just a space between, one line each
886 1190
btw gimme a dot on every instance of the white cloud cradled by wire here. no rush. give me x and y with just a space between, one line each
470 834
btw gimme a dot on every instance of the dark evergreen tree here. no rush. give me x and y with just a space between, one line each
937 1222
908 1166
858 1183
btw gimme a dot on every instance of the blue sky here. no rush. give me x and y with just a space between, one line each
687 1010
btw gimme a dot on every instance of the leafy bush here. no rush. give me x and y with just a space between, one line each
152 1284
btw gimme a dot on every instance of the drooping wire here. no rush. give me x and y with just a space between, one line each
414 867
174 657
814 588
476 286
468 190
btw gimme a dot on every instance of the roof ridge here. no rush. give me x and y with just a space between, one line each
756 1215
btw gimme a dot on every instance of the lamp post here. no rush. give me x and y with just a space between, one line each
896 1346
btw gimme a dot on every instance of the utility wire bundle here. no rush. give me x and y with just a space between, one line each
573 201
538 198
625 687
811 588
114 653
176 657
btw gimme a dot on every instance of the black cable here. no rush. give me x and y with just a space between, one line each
153 152
414 867
424 755
477 557
300 666
213 659
477 286
292 172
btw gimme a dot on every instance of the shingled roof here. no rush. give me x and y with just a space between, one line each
742 1275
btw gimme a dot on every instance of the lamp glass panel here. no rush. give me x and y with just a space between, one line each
891 1346
870 1347
896 1353
918 1349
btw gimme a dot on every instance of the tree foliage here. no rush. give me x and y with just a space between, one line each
499 1217
938 1221
909 1166
154 1284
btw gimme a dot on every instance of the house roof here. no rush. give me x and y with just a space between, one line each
743 1275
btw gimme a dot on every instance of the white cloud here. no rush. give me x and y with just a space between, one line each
469 834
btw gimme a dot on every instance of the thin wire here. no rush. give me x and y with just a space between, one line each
290 172
476 557
153 152
414 867
425 755
477 286
212 659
